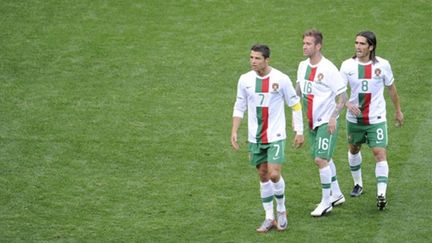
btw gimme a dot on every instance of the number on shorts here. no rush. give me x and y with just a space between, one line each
277 150
380 134
323 143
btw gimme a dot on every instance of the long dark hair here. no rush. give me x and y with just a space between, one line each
372 41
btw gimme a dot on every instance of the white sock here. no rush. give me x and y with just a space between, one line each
335 189
266 189
325 178
381 173
279 192
355 161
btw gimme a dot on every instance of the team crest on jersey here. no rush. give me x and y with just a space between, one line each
377 72
275 87
320 80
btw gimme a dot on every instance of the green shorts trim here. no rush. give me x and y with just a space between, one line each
322 143
374 135
273 153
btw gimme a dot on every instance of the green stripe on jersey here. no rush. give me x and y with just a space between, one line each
260 121
365 71
262 85
364 103
310 73
258 85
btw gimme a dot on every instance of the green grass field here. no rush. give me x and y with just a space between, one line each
115 121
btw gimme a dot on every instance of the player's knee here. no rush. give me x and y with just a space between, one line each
354 149
380 154
320 162
380 158
275 176
263 172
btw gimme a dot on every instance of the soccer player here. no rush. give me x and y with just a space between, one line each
367 75
324 95
262 92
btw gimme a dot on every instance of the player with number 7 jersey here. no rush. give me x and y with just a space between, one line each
263 92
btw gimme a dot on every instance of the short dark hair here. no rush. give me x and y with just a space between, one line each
372 41
316 34
264 49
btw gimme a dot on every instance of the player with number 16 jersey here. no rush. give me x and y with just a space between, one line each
324 97
319 84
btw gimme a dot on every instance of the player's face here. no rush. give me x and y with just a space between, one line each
309 46
363 49
258 62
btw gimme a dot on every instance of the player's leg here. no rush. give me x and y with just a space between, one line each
355 163
323 147
356 136
267 195
325 205
279 194
258 157
381 173
336 197
278 185
378 142
276 156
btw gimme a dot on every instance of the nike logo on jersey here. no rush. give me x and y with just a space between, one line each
350 73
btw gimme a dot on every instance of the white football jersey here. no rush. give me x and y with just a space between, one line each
319 84
264 99
367 81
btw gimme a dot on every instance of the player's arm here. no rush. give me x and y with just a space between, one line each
340 104
298 89
344 70
297 120
294 101
399 118
240 107
235 126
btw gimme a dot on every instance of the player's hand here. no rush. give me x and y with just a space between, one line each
234 143
399 119
331 127
353 108
298 141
